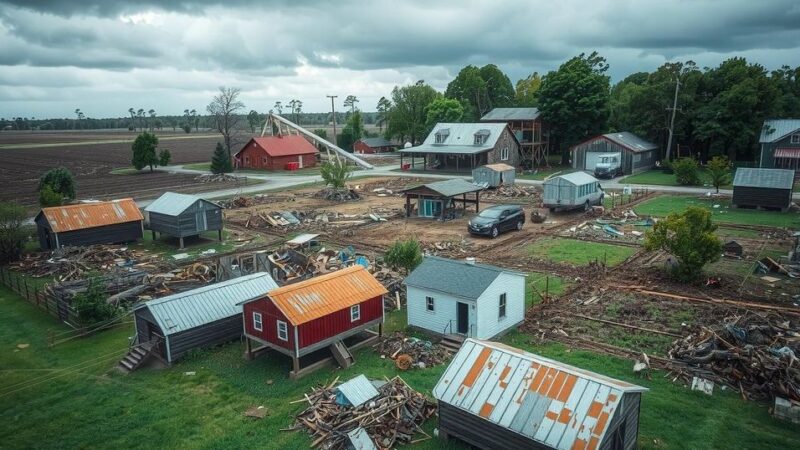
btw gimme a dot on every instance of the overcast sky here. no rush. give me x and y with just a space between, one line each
107 56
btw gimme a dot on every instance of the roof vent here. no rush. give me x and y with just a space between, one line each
470 260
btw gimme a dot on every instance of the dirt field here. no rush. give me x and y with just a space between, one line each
10 138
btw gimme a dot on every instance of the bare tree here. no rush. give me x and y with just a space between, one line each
224 110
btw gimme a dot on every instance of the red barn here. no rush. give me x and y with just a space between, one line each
318 313
276 153
373 145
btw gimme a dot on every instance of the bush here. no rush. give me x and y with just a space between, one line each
404 254
60 181
12 235
48 197
91 305
335 173
187 128
220 163
164 157
719 170
687 171
689 237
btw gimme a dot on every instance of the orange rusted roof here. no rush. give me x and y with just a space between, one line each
90 215
555 404
319 296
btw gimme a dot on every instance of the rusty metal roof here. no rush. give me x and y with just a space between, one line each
89 215
319 296
556 404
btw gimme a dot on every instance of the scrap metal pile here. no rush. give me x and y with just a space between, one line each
754 354
410 352
70 263
625 227
392 418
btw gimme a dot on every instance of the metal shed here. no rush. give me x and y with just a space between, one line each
493 396
494 175
571 190
183 215
763 188
90 223
173 325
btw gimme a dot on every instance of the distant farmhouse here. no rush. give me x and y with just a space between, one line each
373 145
461 147
780 144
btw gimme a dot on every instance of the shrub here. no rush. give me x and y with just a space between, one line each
48 197
719 170
687 171
164 157
689 237
187 128
60 181
335 173
91 305
405 254
12 235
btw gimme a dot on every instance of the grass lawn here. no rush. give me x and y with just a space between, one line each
124 171
540 284
579 253
48 400
193 246
544 173
659 178
664 205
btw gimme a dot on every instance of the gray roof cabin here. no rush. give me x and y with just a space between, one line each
182 215
763 188
637 154
780 144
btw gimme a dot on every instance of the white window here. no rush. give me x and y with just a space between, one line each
441 136
283 331
504 154
480 139
796 138
502 306
429 304
355 313
257 323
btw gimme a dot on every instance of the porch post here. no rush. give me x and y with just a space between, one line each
408 205
296 365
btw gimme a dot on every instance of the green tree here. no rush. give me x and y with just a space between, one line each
574 99
164 157
719 170
404 254
443 109
407 119
144 151
689 237
352 131
91 304
321 132
383 107
687 171
49 197
526 93
335 173
499 90
470 89
12 234
220 163
350 102
60 181
254 119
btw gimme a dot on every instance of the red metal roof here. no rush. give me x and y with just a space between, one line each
793 153
290 145
90 215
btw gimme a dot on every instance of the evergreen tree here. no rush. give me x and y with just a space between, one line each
144 151
220 163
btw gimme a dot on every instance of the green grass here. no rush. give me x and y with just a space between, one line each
125 171
579 253
193 246
540 284
544 173
165 408
659 178
664 205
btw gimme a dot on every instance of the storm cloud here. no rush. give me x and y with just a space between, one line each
105 57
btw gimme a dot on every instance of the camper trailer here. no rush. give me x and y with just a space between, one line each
571 191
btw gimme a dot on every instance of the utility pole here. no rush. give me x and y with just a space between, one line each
672 120
333 115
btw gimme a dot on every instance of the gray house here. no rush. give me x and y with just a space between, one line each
780 144
493 396
637 154
461 147
182 215
763 188
170 326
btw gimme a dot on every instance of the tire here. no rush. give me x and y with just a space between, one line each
519 225
494 232
587 206
600 200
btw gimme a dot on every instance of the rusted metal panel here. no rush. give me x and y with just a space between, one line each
551 403
90 215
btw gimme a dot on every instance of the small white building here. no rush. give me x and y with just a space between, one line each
449 296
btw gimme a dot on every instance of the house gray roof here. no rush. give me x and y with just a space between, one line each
377 142
578 178
173 204
450 188
186 310
460 138
776 129
511 114
631 141
454 277
764 178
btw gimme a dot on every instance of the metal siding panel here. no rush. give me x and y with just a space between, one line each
505 385
586 427
470 355
523 414
507 405
571 429
490 384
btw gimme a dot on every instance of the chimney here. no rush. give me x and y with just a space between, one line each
470 260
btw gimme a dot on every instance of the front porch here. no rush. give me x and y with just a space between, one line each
442 162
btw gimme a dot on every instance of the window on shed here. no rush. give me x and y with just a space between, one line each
502 306
355 313
429 304
796 138
504 154
257 323
283 331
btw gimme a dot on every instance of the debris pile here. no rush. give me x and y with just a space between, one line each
70 263
390 419
408 352
258 199
447 247
753 354
338 194
506 191
215 178
391 186
626 227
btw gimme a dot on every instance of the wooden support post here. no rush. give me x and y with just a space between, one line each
220 234
296 365
181 241
477 201
380 329
154 234
408 205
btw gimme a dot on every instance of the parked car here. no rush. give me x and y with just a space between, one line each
497 219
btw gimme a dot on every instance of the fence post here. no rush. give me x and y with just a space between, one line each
27 294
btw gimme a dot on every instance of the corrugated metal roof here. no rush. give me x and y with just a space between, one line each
173 203
764 178
186 310
460 138
90 215
455 277
358 390
449 188
377 142
360 440
285 145
512 114
777 129
319 296
559 405
302 238
499 167
578 178
631 141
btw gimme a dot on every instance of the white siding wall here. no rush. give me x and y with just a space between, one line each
489 324
445 310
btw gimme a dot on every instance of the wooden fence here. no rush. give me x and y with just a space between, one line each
54 306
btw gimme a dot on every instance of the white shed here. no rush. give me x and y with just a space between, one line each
449 296
494 174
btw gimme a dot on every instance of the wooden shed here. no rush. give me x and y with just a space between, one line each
637 154
171 326
763 188
182 215
438 200
111 222
316 314
493 396
494 175
571 190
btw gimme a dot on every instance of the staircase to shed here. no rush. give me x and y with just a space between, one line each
452 342
342 354
136 356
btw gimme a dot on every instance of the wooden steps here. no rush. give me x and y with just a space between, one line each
135 358
342 354
452 342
